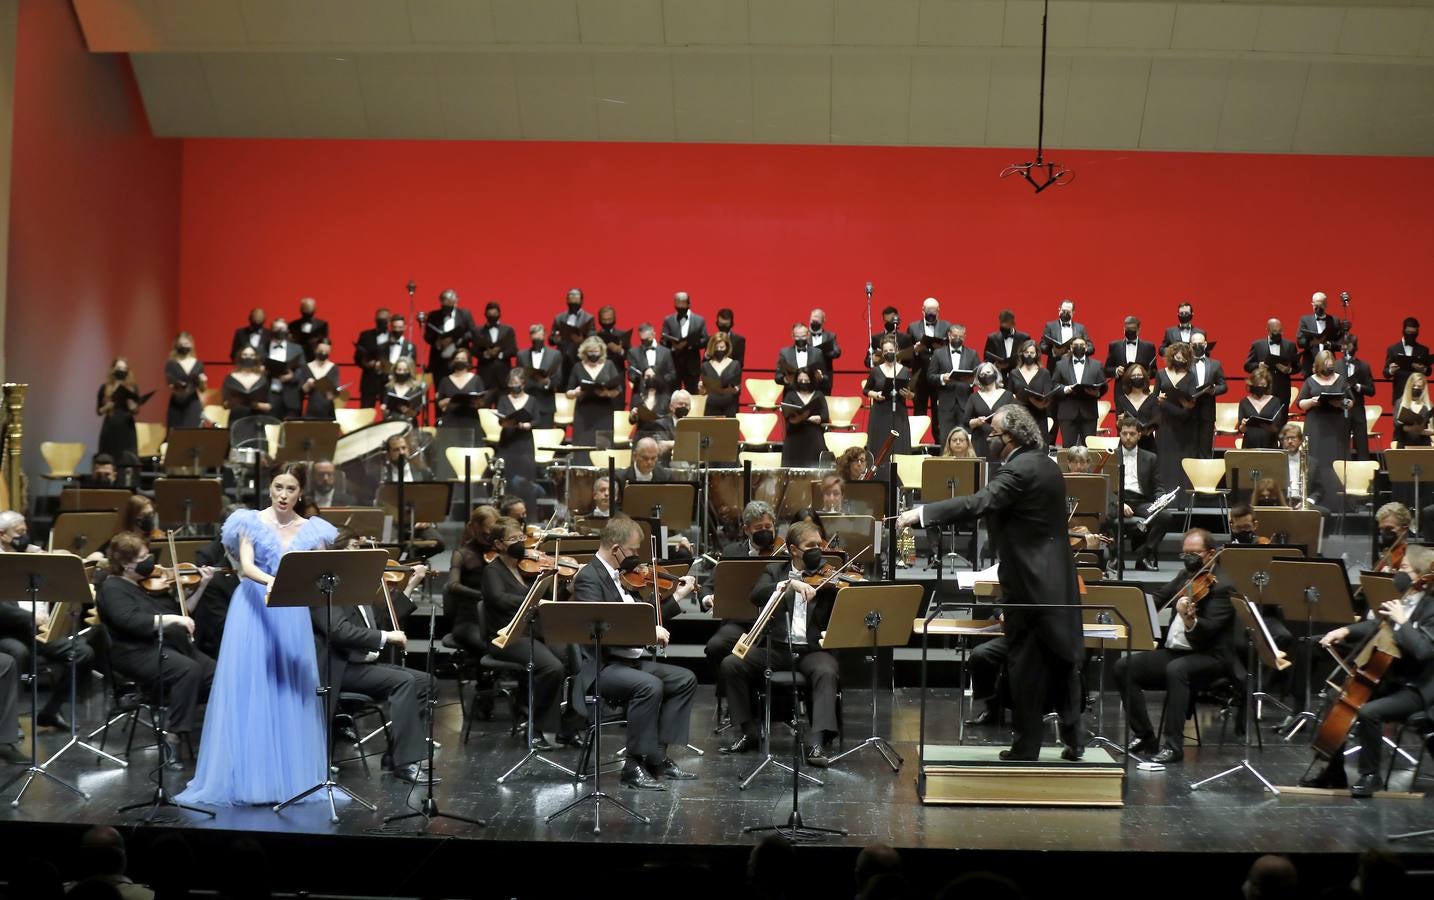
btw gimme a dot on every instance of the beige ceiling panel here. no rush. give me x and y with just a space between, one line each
1299 29
948 99
1069 24
704 21
112 26
871 98
1144 26
200 21
1262 103
1384 32
479 96
400 95
1183 104
176 94
620 21
792 22
536 21
877 22
962 23
713 97
245 89
1339 108
1404 122
325 21
555 96
1106 101
1011 113
324 94
451 21
791 98
633 96
1215 26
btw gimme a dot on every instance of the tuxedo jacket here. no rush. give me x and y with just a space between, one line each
819 609
1214 375
1078 405
950 397
816 364
1415 665
664 367
696 338
242 340
829 346
1174 336
1147 473
739 347
494 372
1215 631
1311 343
543 403
586 325
592 585
996 346
1051 336
309 332
462 333
1396 350
1361 383
660 475
348 640
1288 355
1115 356
917 332
291 391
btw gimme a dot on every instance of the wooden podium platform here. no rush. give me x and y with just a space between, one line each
954 774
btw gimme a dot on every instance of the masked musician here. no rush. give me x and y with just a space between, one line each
464 590
252 335
616 344
1406 358
658 695
1261 414
804 409
685 334
1298 494
1179 333
1405 689
1276 354
644 467
985 401
1082 381
1325 399
184 372
1414 403
1129 351
116 403
758 541
725 319
1244 532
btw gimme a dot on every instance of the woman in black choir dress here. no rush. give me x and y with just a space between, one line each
246 389
989 396
116 404
516 411
804 409
1029 377
592 384
187 382
721 367
1179 425
313 375
1258 402
464 590
1134 399
1415 399
888 384
1326 424
405 394
459 394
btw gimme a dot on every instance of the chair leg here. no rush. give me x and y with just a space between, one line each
1189 508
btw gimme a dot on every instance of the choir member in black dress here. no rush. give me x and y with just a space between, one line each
1177 433
319 380
949 375
1406 357
282 358
592 384
517 417
1082 383
184 372
495 347
988 397
1210 380
799 356
725 320
1278 355
804 409
1059 332
246 389
569 330
404 395
685 334
926 333
1129 351
1134 400
1003 346
617 342
310 330
1318 332
721 377
459 395
888 384
1325 399
1030 385
1179 334
445 330
1415 399
890 324
1361 386
1261 414
116 402
253 335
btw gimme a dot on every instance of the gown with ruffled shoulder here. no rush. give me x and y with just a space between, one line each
264 730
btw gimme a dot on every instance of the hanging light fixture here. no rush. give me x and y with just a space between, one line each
1039 173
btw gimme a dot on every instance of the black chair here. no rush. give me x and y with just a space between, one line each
1422 724
1224 694
354 708
782 688
494 677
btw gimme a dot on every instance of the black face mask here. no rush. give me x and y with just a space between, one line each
994 448
460 365
1078 353
184 350
121 374
248 362
764 538
1131 334
1006 330
956 343
1243 537
804 385
987 380
800 344
1198 350
1258 390
321 354
1411 336
1065 318
21 543
537 343
1031 358
816 326
629 563
149 522
1388 537
721 326
811 559
889 355
1402 582
517 551
493 318
145 567
402 377
594 355
719 353
515 389
1185 318
380 324
930 317
1192 561
680 412
648 344
1275 338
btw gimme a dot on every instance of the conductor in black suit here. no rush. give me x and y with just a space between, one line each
446 330
650 364
658 695
1139 491
1280 356
685 334
1129 350
1078 412
802 355
1319 331
495 347
1061 330
252 335
1004 343
1024 505
1179 334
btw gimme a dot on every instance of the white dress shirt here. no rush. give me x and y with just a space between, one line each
798 635
616 576
1131 349
1176 638
1131 458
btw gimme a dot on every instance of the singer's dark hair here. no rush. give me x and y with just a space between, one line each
888 310
1411 322
1006 316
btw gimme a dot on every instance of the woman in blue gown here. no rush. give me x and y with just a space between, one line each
264 730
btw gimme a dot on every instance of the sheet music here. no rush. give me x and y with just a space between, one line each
967 580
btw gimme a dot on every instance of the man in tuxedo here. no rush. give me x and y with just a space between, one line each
644 468
543 367
370 354
1078 412
1004 343
685 334
1207 371
617 343
1180 333
1061 330
446 330
1129 350
401 463
1199 647
801 355
1024 505
927 333
1278 355
324 487
1361 385
252 335
822 339
103 472
758 541
285 392
1139 489
308 329
658 695
569 329
952 390
725 323
1405 358
890 325
650 364
495 347
351 643
1318 332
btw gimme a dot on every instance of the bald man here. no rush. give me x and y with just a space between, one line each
1280 356
1319 331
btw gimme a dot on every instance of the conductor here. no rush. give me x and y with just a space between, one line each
1024 504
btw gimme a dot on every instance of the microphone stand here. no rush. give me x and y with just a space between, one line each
1120 518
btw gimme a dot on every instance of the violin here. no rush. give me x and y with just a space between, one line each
1080 534
395 572
830 573
646 574
1199 585
1393 558
544 563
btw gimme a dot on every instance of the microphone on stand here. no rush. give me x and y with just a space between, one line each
412 287
868 290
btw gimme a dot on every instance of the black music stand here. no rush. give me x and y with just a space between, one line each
703 440
415 501
768 757
873 616
1316 590
192 451
307 441
61 576
1411 465
82 532
1248 467
620 624
188 500
523 622
1300 527
310 578
367 521
945 478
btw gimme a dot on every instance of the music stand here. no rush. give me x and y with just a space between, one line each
1300 527
367 521
872 616
191 451
670 503
707 439
1248 467
1316 590
187 551
410 502
1132 609
306 441
522 623
188 500
1091 493
854 531
311 578
945 478
82 532
620 624
94 499
732 583
1410 465
61 576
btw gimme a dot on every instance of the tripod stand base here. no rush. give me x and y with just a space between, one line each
329 786
535 755
597 798
1412 835
163 800
882 746
430 811
30 774
796 830
770 760
1244 765
76 742
1292 725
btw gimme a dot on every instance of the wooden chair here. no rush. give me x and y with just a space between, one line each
62 457
622 428
766 393
1205 476
216 415
920 426
838 442
354 419
768 459
481 458
621 459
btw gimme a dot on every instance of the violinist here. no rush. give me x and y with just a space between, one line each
1199 647
810 610
505 586
758 541
1406 686
1139 491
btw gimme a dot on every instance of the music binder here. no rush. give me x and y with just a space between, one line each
573 333
1407 416
276 368
1270 421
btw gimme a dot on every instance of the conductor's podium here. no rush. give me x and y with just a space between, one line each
965 775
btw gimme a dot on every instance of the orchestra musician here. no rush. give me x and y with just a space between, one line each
319 380
685 334
644 468
949 376
116 403
542 366
1129 351
1082 383
464 590
956 446
1003 345
1059 332
926 335
758 541
1134 400
1180 332
602 498
804 409
184 373
310 329
802 356
103 472
1277 355
1244 532
1319 332
1405 358
569 330
446 330
1298 494
1259 403
1141 487
281 352
495 347
1210 380
1361 385
721 381
253 335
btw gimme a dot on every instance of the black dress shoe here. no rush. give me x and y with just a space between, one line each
1168 755
1072 753
745 743
1013 756
1332 777
11 755
541 745
635 776
413 773
1145 565
52 720
987 716
572 739
818 756
1142 745
668 769
1367 784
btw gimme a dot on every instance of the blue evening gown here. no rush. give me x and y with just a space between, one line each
264 731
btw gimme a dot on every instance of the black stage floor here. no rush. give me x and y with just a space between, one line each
700 822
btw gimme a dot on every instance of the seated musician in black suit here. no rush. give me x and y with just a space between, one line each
131 615
658 695
1407 622
810 611
759 537
1199 647
352 643
1138 494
